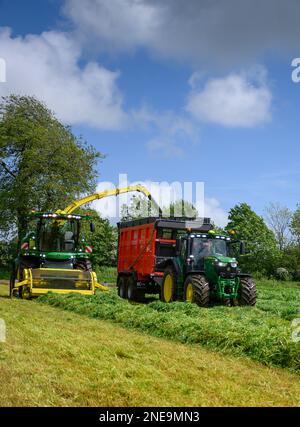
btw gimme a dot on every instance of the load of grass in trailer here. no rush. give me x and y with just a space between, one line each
263 333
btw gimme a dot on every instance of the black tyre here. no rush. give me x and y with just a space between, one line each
247 291
168 287
196 290
133 292
12 282
84 264
122 287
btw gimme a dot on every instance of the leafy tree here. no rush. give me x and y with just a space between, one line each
43 165
103 240
279 218
295 224
180 208
262 249
139 207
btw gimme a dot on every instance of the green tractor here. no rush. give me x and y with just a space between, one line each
205 271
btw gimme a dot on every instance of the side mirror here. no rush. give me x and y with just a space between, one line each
92 227
242 248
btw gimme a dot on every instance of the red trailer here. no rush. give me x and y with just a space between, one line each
143 246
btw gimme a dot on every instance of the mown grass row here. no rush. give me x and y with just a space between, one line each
262 333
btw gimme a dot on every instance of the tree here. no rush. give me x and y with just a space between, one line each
295 224
104 240
180 208
279 218
261 244
139 207
43 165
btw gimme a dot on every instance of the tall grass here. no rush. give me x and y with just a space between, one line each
106 274
262 333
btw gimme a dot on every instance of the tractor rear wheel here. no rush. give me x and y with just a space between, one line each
247 291
122 287
196 289
168 287
133 292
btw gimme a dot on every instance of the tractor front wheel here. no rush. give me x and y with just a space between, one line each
196 290
247 291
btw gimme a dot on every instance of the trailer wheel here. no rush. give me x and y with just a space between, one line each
133 293
247 291
168 287
196 290
122 287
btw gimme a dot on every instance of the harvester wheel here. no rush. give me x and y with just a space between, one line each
168 287
247 291
84 265
25 292
196 289
122 287
133 292
12 283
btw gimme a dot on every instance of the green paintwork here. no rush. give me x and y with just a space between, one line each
32 238
221 288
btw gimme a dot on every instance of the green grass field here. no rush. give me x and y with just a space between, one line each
107 354
262 333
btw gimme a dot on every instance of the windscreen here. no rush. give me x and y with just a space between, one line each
56 235
209 247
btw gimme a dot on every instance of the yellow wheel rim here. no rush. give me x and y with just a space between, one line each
189 293
168 288
25 292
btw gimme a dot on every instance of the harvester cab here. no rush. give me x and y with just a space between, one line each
207 270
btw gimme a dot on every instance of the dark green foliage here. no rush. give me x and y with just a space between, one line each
104 239
43 165
295 224
262 251
262 333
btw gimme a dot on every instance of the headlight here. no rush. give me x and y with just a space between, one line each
221 264
233 264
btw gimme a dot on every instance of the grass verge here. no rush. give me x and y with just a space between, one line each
263 333
57 358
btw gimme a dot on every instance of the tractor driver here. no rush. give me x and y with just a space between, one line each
207 248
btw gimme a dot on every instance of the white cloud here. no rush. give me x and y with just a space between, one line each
47 66
120 24
213 210
171 132
216 31
236 100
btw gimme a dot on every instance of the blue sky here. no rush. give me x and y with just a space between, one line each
167 94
